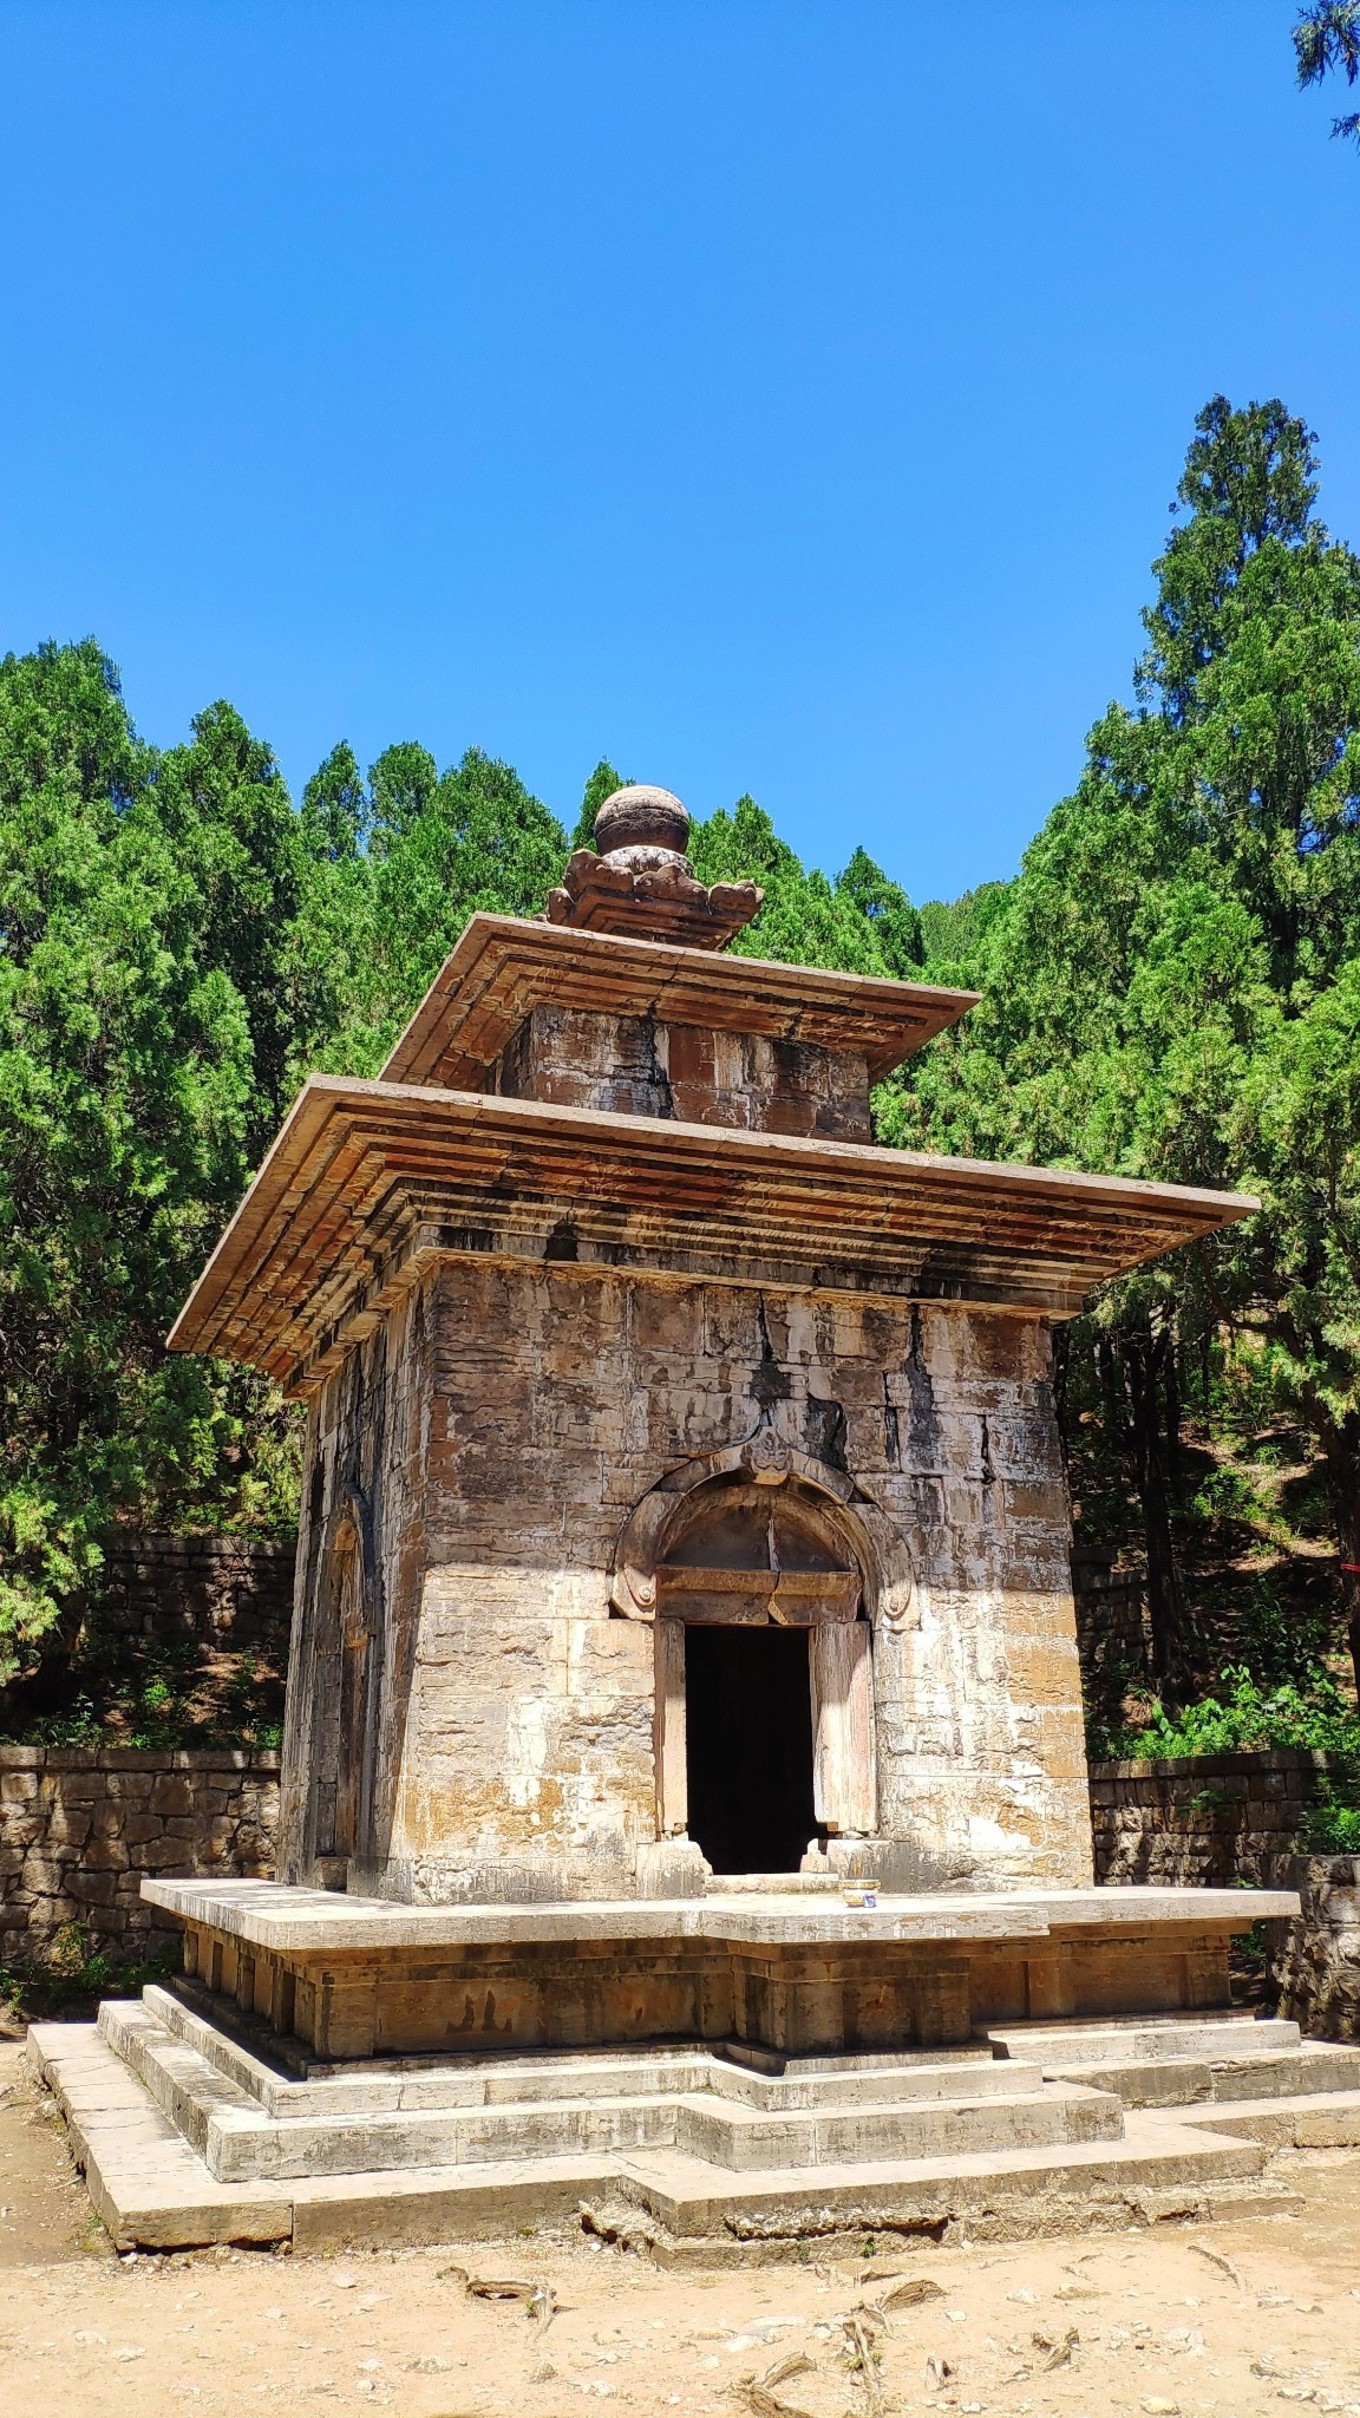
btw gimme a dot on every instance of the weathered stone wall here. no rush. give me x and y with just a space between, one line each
231 1592
361 1567
1315 1961
1207 1821
80 1827
642 1066
497 1430
1201 1821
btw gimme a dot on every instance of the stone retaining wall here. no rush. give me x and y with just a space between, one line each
1201 1821
80 1827
229 1591
1315 1961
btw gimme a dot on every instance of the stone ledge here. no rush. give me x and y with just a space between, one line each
263 1759
270 1915
1211 1767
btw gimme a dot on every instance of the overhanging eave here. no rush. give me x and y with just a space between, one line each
368 1179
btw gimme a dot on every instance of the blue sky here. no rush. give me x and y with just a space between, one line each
772 395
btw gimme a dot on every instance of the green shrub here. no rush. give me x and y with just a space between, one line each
72 1975
1313 1717
1333 1825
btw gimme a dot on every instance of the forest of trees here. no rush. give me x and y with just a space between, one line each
1172 989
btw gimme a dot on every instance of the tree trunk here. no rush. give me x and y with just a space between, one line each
1172 1391
1111 1387
1342 1449
1143 1354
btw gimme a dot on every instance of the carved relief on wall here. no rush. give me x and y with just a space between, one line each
345 1679
761 1531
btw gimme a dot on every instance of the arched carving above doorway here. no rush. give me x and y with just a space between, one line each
821 1503
762 1536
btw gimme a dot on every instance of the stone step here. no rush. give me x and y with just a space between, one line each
1311 2120
238 2139
488 2081
391 2085
153 2192
1120 2042
741 2137
1163 2168
872 2082
1315 2066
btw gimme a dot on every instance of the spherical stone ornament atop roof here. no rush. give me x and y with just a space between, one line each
641 817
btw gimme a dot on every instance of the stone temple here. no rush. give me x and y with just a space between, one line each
684 1796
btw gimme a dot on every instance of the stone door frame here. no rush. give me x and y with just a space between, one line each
844 1757
845 1785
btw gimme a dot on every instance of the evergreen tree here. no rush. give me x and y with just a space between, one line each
1170 982
896 924
601 785
139 1060
1327 42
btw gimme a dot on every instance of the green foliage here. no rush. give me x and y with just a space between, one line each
158 1693
863 924
144 911
953 935
72 1978
894 921
1172 983
395 866
1333 1827
1315 1719
1327 40
602 784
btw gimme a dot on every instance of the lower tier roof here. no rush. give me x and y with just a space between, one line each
367 1181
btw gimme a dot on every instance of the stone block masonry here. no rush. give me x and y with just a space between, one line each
232 1592
1315 1959
1212 1821
481 1714
82 1827
1202 1821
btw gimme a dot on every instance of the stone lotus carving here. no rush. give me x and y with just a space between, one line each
642 883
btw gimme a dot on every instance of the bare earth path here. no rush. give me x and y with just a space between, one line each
1122 2323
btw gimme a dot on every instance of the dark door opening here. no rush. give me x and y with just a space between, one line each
748 1746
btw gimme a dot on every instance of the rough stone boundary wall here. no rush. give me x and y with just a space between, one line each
228 1591
1201 1821
81 1826
1210 1820
1315 1962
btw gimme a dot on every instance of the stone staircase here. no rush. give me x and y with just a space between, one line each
1182 2061
246 2123
188 2135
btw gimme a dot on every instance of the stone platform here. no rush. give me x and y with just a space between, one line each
338 1977
806 2095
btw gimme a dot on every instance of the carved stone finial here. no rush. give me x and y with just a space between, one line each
766 1457
642 817
641 881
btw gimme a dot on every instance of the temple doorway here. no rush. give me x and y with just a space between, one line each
749 1745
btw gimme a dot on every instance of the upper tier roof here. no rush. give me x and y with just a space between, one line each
502 967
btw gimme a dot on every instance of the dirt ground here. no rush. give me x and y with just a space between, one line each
1266 2311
